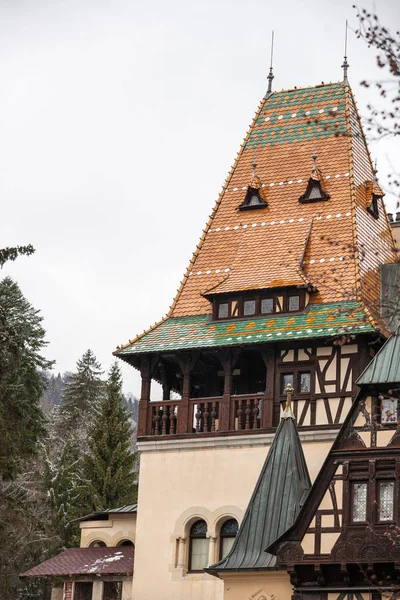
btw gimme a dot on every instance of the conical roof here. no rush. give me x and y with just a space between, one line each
276 501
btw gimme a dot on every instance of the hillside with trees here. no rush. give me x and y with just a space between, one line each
67 444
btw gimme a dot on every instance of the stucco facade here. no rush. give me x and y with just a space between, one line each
213 484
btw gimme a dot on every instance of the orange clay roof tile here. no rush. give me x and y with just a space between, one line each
258 248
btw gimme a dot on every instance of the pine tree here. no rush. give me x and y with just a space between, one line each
63 478
21 381
83 392
109 467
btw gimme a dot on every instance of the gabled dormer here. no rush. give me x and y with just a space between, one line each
374 194
315 191
255 195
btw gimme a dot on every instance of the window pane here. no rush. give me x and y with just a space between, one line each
287 378
388 410
249 307
279 304
234 308
359 502
386 495
83 590
112 590
315 194
230 527
223 310
305 383
199 554
267 305
227 544
199 528
254 200
294 303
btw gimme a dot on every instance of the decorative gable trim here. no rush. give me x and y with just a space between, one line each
255 195
314 191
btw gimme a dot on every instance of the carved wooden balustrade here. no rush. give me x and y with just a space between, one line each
204 415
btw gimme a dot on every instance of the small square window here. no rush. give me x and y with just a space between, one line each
223 310
294 303
267 305
249 307
305 383
287 379
388 410
359 502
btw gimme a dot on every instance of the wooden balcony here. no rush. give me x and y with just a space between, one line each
206 415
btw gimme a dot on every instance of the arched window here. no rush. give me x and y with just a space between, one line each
228 533
125 543
198 546
97 544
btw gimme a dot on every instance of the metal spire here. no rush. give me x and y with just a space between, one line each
271 75
345 64
314 157
288 413
254 163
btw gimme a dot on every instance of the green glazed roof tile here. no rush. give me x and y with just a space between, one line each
198 331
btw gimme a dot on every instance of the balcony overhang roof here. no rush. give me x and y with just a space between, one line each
199 331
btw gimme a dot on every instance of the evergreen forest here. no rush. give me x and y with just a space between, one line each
67 443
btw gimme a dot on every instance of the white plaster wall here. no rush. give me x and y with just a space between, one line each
119 527
208 480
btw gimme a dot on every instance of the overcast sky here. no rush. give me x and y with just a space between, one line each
119 121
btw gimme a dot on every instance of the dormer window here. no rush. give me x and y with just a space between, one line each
252 200
373 208
315 191
260 304
374 193
255 195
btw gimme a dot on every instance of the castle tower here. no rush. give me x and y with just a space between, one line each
283 289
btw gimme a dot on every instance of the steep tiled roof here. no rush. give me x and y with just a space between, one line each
242 250
318 320
384 368
86 561
280 492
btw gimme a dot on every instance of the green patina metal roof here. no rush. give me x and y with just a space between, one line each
198 331
384 368
280 492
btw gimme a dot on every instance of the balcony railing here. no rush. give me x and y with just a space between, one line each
204 415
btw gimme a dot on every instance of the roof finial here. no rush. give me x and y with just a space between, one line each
345 64
271 75
314 157
288 413
254 163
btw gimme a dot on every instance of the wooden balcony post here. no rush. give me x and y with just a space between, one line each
147 367
267 415
186 363
225 413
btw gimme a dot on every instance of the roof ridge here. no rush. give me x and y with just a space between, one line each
308 87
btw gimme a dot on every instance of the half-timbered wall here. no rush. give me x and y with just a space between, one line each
333 370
